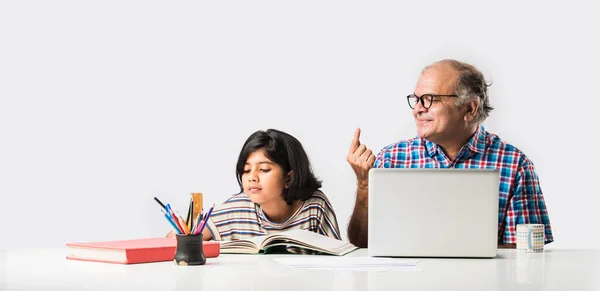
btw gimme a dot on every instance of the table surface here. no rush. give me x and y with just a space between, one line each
42 269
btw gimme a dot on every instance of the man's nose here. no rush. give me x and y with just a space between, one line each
419 107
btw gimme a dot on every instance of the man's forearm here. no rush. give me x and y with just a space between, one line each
358 228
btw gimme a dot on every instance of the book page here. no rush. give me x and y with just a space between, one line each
97 254
310 240
249 245
258 240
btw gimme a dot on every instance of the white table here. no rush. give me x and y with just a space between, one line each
47 269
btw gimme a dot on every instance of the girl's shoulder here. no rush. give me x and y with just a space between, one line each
240 197
318 197
237 201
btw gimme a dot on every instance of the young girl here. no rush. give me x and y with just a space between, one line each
278 191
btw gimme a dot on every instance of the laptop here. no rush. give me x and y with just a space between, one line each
433 212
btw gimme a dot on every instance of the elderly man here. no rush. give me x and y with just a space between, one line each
449 104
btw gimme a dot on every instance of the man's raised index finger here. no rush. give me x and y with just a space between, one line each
355 140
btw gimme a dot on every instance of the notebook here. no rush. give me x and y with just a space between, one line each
133 251
433 212
302 240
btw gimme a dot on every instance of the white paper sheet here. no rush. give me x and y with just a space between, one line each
348 263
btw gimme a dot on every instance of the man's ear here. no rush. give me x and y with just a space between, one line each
472 108
288 179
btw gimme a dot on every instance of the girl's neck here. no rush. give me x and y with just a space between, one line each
280 211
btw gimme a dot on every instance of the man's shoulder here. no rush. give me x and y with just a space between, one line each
500 146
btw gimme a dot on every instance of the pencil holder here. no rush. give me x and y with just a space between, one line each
189 250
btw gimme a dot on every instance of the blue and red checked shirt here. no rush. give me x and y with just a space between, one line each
521 199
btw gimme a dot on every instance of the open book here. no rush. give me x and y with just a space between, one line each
302 240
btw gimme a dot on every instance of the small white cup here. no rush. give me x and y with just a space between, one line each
530 238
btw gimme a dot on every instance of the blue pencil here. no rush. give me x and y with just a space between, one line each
172 223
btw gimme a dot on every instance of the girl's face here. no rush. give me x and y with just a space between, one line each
262 179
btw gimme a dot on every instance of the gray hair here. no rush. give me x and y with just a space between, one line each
470 83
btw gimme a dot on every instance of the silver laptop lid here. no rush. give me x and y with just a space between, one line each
433 212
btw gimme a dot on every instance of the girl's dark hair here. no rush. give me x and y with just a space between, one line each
286 151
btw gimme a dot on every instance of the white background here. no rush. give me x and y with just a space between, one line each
106 104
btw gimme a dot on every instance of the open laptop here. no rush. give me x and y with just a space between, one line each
433 212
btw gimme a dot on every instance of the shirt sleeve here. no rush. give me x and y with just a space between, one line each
527 205
328 225
381 160
212 228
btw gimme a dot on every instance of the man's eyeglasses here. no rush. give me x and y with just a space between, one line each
425 99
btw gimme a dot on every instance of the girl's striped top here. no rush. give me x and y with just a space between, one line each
240 218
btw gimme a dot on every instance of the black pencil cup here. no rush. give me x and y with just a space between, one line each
189 250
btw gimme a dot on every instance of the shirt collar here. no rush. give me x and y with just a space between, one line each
431 148
477 142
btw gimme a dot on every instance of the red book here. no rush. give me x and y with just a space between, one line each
133 251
